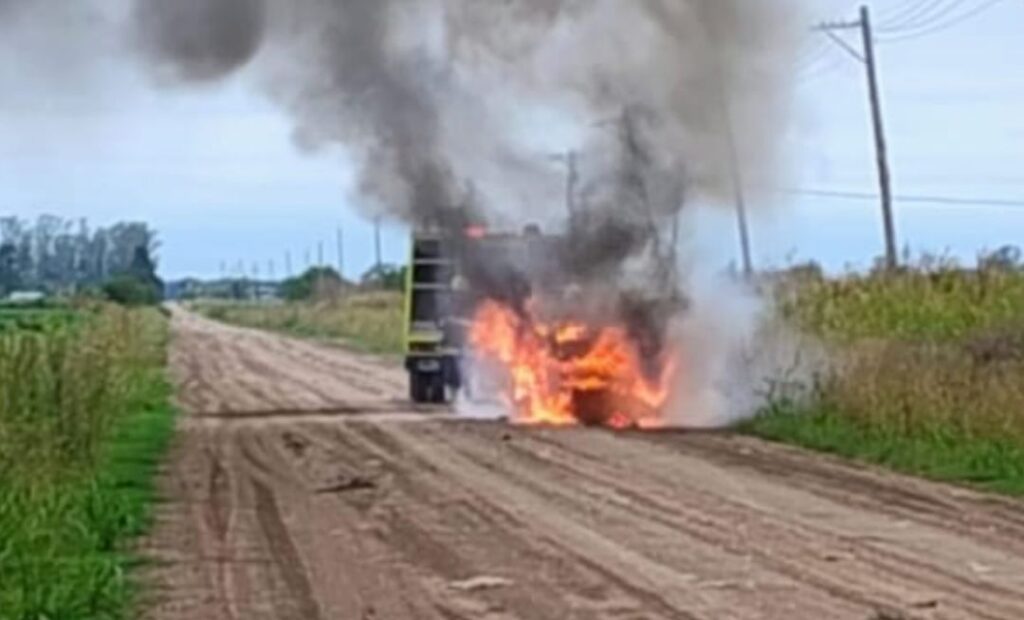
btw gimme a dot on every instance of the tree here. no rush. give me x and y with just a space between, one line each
58 255
127 290
10 278
314 283
138 284
386 277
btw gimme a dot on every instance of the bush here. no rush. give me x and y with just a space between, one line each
130 291
317 282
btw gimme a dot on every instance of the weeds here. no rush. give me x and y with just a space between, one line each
370 322
84 419
928 372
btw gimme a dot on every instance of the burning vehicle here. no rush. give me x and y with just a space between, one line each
500 315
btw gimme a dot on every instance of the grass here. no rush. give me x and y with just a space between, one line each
943 454
925 303
81 436
928 373
369 322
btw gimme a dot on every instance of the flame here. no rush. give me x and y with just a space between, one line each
569 372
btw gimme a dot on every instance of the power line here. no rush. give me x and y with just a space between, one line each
906 14
928 15
946 25
906 198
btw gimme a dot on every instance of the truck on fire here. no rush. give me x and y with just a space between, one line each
448 275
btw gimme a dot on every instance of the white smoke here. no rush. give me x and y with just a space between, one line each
737 356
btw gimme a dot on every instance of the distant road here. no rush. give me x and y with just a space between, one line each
304 487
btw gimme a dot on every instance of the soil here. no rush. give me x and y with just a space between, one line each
304 486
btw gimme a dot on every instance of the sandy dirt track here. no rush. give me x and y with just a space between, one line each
302 486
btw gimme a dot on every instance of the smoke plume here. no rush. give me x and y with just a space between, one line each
199 39
406 85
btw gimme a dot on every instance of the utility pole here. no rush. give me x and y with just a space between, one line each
376 237
884 176
341 252
288 264
874 92
732 148
571 160
741 200
320 292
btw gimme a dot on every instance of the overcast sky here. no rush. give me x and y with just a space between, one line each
216 172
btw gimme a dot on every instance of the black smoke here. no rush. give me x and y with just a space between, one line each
199 40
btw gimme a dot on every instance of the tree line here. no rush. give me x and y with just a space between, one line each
55 255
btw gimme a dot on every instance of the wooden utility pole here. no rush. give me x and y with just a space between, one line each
884 176
341 252
288 264
741 200
376 237
874 93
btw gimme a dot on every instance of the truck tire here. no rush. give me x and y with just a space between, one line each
417 388
438 389
426 388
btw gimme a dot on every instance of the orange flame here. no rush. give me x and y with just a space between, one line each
567 373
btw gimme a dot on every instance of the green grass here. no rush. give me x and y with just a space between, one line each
70 506
368 322
940 454
927 376
36 319
926 303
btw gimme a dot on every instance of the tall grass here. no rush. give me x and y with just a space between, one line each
371 322
929 371
930 302
84 418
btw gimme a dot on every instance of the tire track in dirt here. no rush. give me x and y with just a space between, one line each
792 552
303 605
301 486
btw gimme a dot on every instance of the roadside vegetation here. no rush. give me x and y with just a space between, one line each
928 376
365 321
84 419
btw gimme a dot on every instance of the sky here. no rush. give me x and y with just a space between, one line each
216 172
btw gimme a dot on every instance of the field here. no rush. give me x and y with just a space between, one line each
369 322
929 376
84 420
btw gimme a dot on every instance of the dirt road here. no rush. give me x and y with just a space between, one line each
303 487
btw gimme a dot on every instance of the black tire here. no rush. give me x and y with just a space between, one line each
417 388
437 389
427 388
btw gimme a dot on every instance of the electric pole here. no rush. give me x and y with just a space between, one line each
571 160
376 236
288 264
741 200
734 160
341 252
874 93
